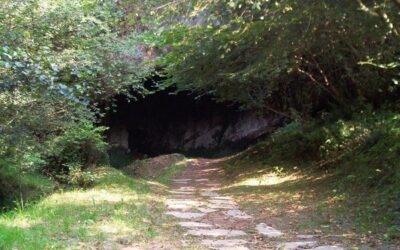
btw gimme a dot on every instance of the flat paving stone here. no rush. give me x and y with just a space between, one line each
222 198
182 180
183 204
225 243
268 231
179 207
185 201
222 202
186 189
182 196
209 193
328 248
192 224
296 245
217 232
206 210
183 215
221 206
210 184
232 248
181 192
201 180
238 214
305 236
179 196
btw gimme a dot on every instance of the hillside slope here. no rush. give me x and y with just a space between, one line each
340 178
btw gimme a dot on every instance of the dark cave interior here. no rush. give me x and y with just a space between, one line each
170 122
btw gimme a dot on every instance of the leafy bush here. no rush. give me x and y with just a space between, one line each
366 146
39 132
52 78
81 146
77 176
294 141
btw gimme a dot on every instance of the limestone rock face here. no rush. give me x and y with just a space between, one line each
247 126
209 134
118 137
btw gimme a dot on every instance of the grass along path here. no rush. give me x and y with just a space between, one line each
305 201
119 212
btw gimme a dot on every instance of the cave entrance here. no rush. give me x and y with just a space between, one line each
169 122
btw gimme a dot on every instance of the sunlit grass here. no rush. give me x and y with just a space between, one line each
168 173
295 202
118 211
324 178
268 179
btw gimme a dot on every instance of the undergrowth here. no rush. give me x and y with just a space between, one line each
119 158
20 186
345 170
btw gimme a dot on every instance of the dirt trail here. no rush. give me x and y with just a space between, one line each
215 221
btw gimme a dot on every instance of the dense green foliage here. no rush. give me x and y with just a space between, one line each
72 47
289 56
57 59
47 135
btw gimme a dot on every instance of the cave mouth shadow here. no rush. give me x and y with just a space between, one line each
169 122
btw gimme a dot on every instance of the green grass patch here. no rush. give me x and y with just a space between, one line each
117 211
170 172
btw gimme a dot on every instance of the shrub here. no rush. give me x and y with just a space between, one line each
81 145
77 176
295 141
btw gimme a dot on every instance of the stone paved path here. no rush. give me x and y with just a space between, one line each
216 222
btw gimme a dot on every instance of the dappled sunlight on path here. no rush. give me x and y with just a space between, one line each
215 221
